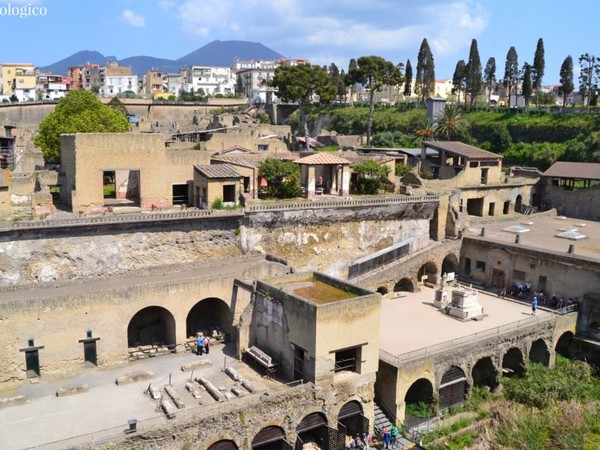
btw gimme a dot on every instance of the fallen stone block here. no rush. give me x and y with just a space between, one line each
17 400
196 364
71 390
169 408
248 386
133 377
237 391
233 374
228 395
175 397
154 392
196 394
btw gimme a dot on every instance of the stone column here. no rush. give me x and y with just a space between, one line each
345 181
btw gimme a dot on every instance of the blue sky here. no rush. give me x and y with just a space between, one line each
322 31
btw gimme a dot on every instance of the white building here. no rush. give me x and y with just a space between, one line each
117 84
213 80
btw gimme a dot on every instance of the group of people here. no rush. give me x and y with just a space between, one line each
362 443
202 345
522 290
389 437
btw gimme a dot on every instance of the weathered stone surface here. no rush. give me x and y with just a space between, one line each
71 390
133 377
196 364
17 400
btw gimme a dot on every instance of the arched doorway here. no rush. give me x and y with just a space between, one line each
450 264
270 438
313 428
382 290
539 353
484 373
512 363
453 388
207 315
153 325
566 346
518 203
404 285
224 444
428 270
419 400
351 420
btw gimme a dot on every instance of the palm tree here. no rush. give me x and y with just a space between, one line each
451 125
424 131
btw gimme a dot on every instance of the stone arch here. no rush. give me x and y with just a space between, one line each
312 428
153 325
566 345
450 263
518 203
206 315
271 437
350 418
224 444
485 374
429 269
539 352
512 362
404 285
382 290
420 392
453 387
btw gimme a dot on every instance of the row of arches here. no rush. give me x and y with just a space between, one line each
313 427
428 271
454 386
156 325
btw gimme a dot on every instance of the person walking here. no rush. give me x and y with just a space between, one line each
387 439
199 344
393 434
206 344
534 305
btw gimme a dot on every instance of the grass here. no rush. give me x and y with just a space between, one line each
109 191
321 293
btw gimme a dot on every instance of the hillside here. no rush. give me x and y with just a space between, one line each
215 53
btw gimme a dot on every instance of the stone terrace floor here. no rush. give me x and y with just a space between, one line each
410 322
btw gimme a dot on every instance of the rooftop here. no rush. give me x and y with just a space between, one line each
218 171
461 149
322 158
252 160
577 170
410 323
543 233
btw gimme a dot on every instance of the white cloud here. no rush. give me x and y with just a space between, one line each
167 5
133 19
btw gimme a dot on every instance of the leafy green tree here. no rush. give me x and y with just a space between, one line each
116 104
566 79
425 78
451 124
489 76
337 80
526 86
473 76
283 177
301 84
589 77
408 77
239 87
392 139
511 73
78 112
13 98
539 66
374 72
500 138
370 176
458 79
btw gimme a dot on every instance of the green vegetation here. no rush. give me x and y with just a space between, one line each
421 410
262 117
217 204
79 112
371 176
283 178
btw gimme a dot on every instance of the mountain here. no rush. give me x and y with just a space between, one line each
215 53
78 59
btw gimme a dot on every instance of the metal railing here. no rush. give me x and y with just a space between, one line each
470 339
348 203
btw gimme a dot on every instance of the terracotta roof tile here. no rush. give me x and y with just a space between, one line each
218 171
322 158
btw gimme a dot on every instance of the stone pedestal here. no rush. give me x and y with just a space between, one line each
441 299
464 304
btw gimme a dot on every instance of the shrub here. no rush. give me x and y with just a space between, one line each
217 204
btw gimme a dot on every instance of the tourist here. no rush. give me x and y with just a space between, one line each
393 434
387 439
503 292
368 440
359 443
206 344
199 344
534 305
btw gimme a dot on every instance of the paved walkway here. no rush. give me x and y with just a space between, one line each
46 418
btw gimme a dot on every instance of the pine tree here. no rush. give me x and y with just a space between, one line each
473 77
511 73
490 77
566 79
527 86
539 65
425 79
408 77
458 80
589 78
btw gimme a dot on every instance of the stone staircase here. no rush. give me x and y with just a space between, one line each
382 422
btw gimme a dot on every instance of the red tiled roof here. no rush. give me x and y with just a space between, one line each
322 158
